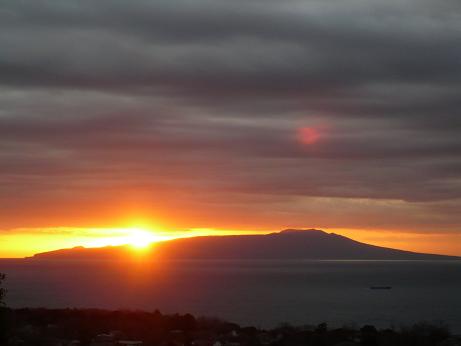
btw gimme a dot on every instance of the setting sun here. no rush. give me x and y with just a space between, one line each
141 238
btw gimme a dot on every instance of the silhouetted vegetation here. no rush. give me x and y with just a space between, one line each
93 327
2 289
3 313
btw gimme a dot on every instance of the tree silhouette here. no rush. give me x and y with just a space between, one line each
3 317
2 289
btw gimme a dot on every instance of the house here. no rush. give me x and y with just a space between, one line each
129 343
74 343
103 340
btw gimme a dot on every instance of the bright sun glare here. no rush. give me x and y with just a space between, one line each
141 238
137 237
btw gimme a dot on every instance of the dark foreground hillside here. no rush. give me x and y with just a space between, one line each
72 327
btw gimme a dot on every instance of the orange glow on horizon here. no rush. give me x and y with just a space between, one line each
29 241
26 242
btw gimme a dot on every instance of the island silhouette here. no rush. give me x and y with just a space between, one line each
289 244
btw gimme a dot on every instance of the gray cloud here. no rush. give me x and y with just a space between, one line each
208 97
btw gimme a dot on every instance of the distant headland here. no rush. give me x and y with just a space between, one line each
289 244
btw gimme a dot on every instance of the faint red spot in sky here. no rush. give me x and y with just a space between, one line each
308 135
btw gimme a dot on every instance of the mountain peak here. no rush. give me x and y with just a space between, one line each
310 231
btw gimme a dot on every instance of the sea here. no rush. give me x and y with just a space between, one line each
259 293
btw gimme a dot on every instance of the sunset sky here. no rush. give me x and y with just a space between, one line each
185 118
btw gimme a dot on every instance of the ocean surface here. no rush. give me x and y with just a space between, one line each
261 293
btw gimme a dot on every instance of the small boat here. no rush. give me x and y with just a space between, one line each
380 287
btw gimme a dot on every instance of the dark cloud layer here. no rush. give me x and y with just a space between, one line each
199 105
